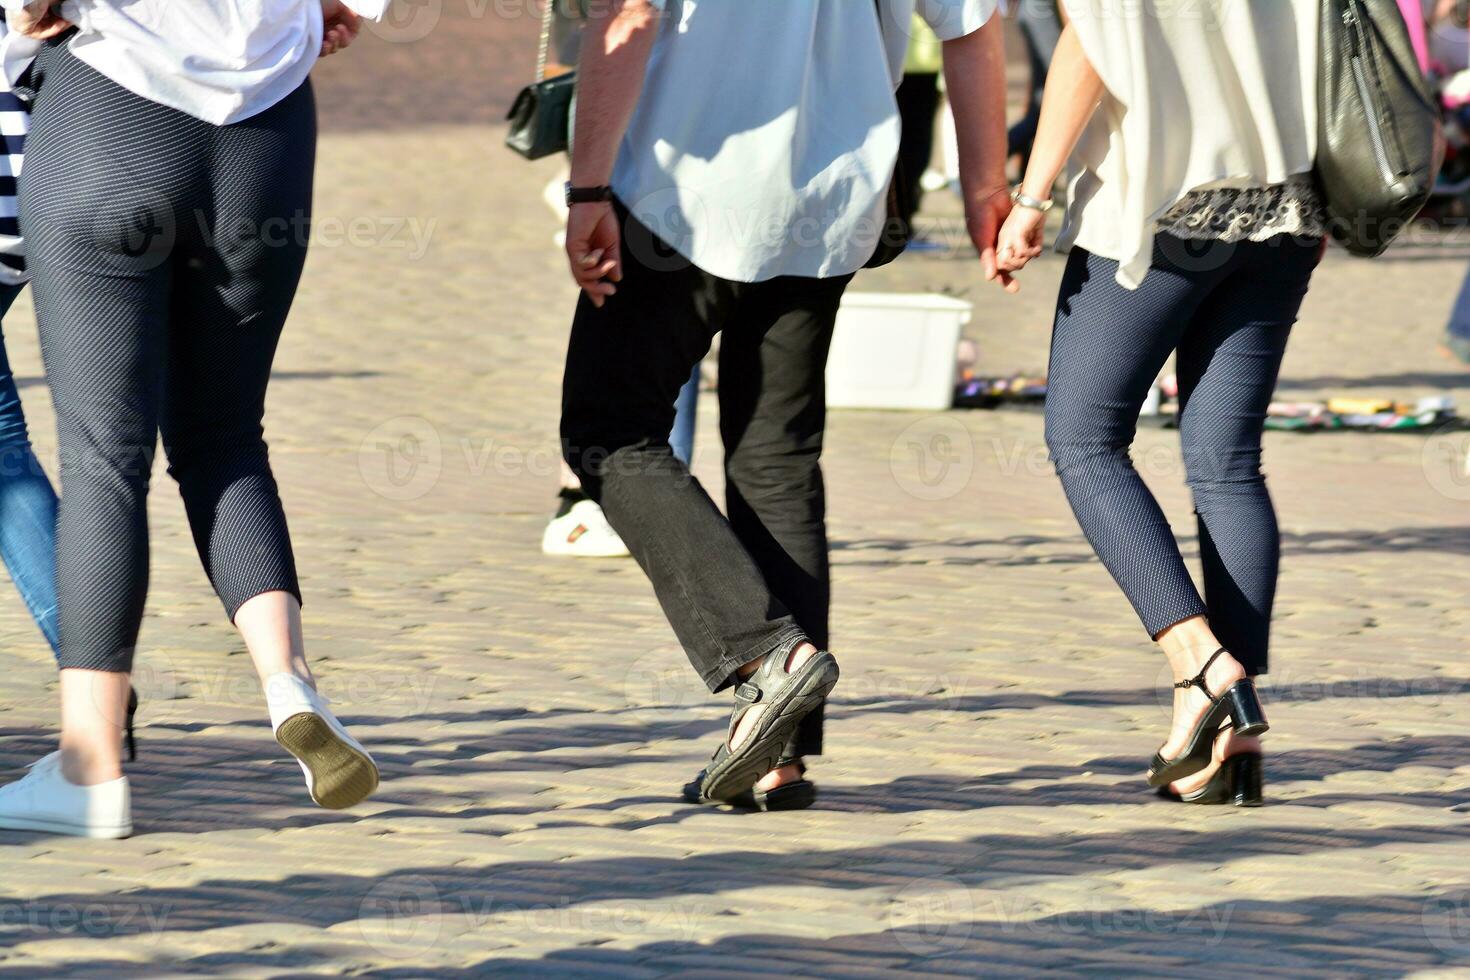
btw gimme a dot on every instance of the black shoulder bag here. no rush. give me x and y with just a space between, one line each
1379 138
541 115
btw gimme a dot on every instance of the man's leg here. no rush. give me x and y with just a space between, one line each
625 365
1041 27
773 412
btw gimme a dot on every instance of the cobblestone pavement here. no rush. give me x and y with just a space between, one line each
982 803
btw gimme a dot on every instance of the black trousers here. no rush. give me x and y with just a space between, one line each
918 103
735 587
165 253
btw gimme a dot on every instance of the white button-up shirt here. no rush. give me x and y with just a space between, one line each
217 60
767 132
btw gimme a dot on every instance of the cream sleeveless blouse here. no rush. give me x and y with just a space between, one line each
1200 96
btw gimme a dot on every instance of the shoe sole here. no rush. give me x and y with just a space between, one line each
762 750
68 829
341 776
559 551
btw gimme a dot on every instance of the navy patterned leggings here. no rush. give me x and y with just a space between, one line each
1228 310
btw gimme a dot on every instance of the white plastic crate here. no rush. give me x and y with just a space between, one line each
895 350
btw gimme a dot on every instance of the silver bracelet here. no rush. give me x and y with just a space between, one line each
1026 201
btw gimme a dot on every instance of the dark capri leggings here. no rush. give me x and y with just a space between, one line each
165 253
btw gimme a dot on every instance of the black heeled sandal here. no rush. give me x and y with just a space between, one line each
1238 781
130 742
799 794
1240 705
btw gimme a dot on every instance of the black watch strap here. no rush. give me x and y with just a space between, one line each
588 195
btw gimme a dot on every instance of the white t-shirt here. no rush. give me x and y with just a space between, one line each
767 132
217 60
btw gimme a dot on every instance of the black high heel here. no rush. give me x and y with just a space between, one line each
1239 705
1238 781
129 740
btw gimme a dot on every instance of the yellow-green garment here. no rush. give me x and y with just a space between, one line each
924 57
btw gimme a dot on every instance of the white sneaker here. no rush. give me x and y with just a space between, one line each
44 800
583 532
339 772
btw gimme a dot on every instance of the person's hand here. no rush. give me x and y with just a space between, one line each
1021 239
339 26
984 213
39 21
594 249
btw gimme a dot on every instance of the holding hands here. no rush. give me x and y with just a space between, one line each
1022 236
986 212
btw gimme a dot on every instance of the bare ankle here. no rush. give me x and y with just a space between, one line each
81 767
779 776
803 652
1188 637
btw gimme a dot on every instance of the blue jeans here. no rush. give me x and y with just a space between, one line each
1460 316
27 502
686 410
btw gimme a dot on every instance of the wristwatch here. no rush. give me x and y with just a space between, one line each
1026 201
588 195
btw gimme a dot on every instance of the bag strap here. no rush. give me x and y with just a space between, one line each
548 17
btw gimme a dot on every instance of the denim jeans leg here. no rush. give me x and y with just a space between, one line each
686 414
27 502
1459 325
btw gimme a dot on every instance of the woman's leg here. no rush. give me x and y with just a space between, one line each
228 318
1108 346
1228 364
100 238
27 503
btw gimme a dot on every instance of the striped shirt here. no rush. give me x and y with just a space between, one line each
15 122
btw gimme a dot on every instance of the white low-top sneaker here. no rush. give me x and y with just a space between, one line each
44 800
339 771
583 532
